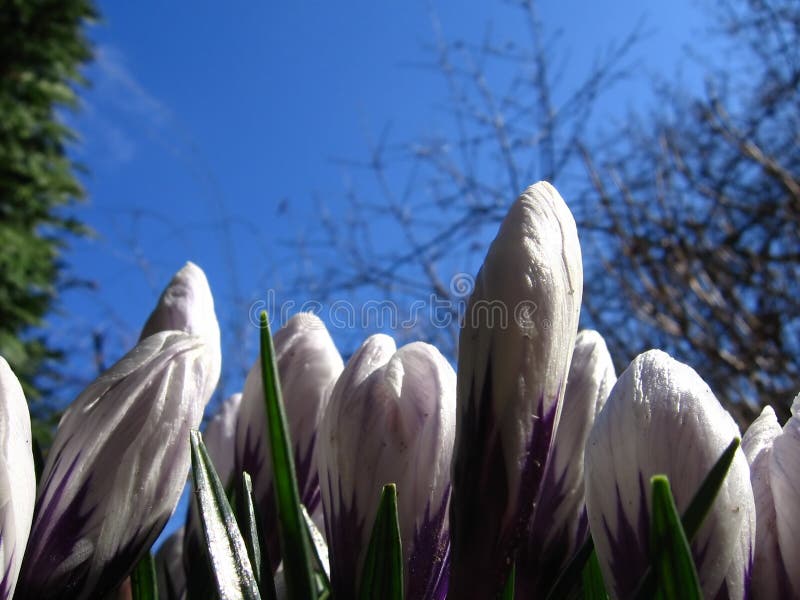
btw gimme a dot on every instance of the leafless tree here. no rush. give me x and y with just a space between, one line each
420 213
688 214
696 217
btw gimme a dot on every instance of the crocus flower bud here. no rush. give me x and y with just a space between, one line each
559 525
170 576
390 420
514 351
17 479
662 418
774 456
308 365
186 304
116 469
220 440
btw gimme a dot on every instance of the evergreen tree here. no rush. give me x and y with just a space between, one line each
43 45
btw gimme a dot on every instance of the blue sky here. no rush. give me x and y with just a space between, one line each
210 132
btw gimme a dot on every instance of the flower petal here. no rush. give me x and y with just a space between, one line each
661 418
116 469
514 351
391 419
186 304
785 483
17 479
769 575
559 525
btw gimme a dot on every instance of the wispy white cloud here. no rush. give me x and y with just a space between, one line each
119 113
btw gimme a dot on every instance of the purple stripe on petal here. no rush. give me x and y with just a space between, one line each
629 558
478 519
431 550
442 586
545 554
307 475
65 524
344 533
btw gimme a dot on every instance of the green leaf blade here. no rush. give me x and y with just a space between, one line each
382 576
143 579
227 552
675 573
707 492
253 538
594 588
300 582
508 590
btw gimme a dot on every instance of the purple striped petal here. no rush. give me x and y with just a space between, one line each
390 420
785 482
661 418
116 469
514 352
770 579
559 524
17 479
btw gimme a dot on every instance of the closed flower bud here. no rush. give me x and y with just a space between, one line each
186 304
661 418
559 525
390 420
17 479
116 469
776 477
308 365
514 351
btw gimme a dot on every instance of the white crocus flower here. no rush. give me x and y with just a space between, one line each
514 352
186 304
116 469
390 420
774 455
661 418
308 366
559 524
17 479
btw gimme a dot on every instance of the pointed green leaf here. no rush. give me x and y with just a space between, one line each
143 579
698 508
253 538
675 573
382 576
568 584
594 588
704 497
319 554
294 542
226 549
508 590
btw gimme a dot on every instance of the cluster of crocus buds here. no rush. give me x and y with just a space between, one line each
504 471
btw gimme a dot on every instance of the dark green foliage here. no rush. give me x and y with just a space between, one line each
42 47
